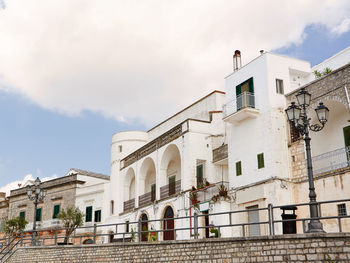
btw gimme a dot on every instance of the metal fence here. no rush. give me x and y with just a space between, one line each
333 160
243 100
247 222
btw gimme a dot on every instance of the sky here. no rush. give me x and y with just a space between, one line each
72 73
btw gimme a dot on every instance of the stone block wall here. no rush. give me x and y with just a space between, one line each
321 248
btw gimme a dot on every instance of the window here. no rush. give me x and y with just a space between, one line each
127 226
98 216
88 214
245 94
153 192
172 184
112 207
294 133
279 86
199 175
261 163
56 210
238 168
120 148
22 214
38 214
342 210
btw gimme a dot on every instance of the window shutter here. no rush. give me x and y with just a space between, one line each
153 192
200 175
251 85
98 216
88 216
346 131
38 214
261 163
238 168
172 185
22 214
56 210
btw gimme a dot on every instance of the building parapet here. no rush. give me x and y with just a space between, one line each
220 153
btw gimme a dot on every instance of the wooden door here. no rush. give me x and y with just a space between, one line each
169 224
144 227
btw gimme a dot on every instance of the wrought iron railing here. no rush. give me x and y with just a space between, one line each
330 161
243 100
150 147
269 221
129 205
170 189
220 153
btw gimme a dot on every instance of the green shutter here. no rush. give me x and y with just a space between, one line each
98 216
251 85
22 214
38 214
346 131
88 214
261 163
238 168
238 89
199 175
56 210
172 185
153 192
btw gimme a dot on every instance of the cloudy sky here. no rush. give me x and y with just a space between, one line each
74 72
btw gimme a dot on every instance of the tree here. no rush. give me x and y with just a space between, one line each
71 218
15 226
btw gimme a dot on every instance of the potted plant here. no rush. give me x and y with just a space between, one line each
71 218
194 198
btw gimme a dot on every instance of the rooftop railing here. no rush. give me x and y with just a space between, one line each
330 161
243 100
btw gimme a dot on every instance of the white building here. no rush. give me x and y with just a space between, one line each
241 140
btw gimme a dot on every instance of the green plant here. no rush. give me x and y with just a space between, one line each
194 197
152 236
215 231
15 226
133 235
223 191
317 74
329 259
71 218
326 71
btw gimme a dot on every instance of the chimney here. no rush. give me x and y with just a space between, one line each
261 52
237 62
2 196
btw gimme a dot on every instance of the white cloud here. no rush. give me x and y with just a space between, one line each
143 59
19 183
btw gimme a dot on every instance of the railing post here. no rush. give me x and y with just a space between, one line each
95 231
21 238
339 224
139 230
243 230
56 233
195 225
272 221
271 225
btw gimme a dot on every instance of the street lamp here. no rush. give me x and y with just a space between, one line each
297 115
36 194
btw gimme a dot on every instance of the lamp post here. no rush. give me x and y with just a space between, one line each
36 194
297 115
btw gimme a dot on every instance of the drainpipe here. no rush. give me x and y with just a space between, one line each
347 96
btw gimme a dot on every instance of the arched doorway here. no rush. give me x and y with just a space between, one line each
144 227
169 224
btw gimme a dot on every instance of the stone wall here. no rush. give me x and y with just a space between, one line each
287 248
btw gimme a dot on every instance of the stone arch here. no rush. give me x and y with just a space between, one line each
144 226
147 176
170 167
169 223
129 184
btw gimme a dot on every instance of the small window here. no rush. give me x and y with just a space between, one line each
56 210
342 210
200 176
120 148
112 207
98 216
238 168
88 214
22 214
279 86
261 163
127 225
38 214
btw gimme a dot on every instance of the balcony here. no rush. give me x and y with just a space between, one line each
220 154
208 192
170 189
240 108
150 147
330 161
129 205
147 198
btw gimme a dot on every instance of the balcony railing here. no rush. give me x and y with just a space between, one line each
244 100
147 199
129 205
208 192
150 147
220 153
170 189
331 160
